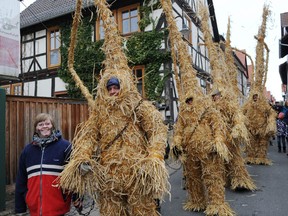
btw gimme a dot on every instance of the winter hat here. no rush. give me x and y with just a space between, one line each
113 81
216 92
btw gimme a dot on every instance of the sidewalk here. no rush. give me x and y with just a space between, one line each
9 201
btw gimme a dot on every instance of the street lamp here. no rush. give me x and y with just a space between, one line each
185 31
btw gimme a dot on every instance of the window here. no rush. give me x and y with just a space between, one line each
54 47
128 19
100 28
17 89
13 89
34 51
7 89
138 72
61 94
192 4
188 24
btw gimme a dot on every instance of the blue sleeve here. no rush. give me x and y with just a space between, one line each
21 185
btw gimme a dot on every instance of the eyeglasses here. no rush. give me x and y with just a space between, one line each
43 124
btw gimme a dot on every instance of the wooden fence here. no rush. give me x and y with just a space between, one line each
20 114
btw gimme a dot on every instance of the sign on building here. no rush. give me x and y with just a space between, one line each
9 38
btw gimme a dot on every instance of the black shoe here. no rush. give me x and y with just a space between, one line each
240 189
284 150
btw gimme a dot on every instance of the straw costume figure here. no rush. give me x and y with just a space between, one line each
225 97
198 134
260 115
118 153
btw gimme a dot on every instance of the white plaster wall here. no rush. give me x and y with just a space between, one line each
44 88
59 85
29 88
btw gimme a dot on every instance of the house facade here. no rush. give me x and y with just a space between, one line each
283 52
41 44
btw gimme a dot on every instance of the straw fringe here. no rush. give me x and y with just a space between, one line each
223 210
194 206
73 40
225 75
151 178
71 178
134 164
260 115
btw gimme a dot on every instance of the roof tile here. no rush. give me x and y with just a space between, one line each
43 10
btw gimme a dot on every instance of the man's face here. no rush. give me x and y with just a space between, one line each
113 90
255 97
189 101
216 97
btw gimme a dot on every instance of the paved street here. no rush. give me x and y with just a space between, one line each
271 197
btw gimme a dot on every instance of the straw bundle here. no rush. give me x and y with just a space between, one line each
122 143
199 133
260 115
189 83
231 67
224 75
73 40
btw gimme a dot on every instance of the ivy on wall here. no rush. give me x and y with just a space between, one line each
143 48
88 58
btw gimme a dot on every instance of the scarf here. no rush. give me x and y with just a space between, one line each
44 141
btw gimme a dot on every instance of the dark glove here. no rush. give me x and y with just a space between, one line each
78 202
176 151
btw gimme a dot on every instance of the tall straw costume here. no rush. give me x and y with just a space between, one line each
224 75
199 133
118 153
260 115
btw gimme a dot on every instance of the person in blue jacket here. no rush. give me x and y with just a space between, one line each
40 164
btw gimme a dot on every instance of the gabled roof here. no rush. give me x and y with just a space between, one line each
43 10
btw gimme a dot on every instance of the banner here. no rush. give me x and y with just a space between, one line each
9 38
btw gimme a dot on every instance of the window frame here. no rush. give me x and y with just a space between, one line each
188 23
134 71
11 88
53 29
119 18
97 26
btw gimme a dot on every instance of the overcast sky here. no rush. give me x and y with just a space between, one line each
246 17
25 3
